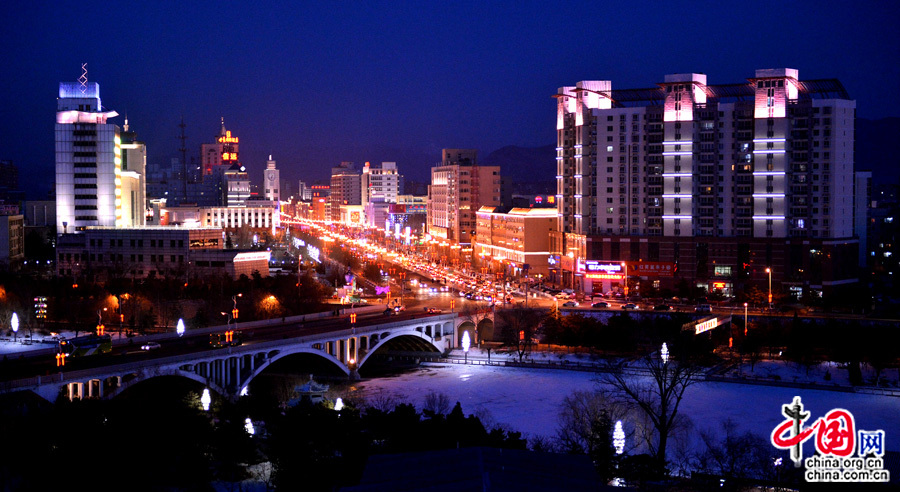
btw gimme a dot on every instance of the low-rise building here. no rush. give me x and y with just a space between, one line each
140 252
516 240
12 240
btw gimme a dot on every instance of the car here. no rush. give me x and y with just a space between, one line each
390 312
630 306
570 304
703 308
434 311
600 305
150 346
662 307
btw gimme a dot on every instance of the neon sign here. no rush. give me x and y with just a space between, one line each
228 138
603 276
706 326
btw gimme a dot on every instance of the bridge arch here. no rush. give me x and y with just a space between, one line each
145 376
486 329
275 355
381 341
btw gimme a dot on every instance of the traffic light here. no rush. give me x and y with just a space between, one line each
100 329
229 336
234 313
452 303
60 359
353 318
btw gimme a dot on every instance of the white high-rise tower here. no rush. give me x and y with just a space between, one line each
88 159
271 181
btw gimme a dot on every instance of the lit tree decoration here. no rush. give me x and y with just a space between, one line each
180 327
619 438
664 353
466 343
205 400
248 426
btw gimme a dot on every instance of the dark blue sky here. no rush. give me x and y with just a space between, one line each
318 83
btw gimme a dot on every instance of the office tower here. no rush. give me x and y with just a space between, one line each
271 181
380 184
345 189
718 181
220 154
459 187
133 178
88 159
304 192
236 184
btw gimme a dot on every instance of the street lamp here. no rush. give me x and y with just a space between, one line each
179 328
625 265
745 319
769 271
14 322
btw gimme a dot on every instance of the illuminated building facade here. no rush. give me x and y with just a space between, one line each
88 160
133 176
510 239
721 180
380 184
459 187
236 185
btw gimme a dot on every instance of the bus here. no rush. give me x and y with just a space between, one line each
229 338
86 345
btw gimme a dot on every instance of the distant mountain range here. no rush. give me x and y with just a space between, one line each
536 166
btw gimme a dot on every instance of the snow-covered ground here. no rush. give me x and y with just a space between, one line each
528 400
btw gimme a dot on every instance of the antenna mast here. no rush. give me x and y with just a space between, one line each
83 78
183 151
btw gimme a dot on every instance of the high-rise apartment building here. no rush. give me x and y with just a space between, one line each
459 187
88 159
345 189
719 182
272 181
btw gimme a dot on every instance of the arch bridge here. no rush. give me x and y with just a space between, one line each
229 370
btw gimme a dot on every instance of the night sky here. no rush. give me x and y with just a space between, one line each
318 83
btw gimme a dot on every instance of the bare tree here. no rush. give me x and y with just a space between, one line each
578 417
518 327
658 394
730 454
436 403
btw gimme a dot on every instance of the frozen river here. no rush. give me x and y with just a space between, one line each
528 400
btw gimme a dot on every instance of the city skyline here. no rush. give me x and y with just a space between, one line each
397 83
